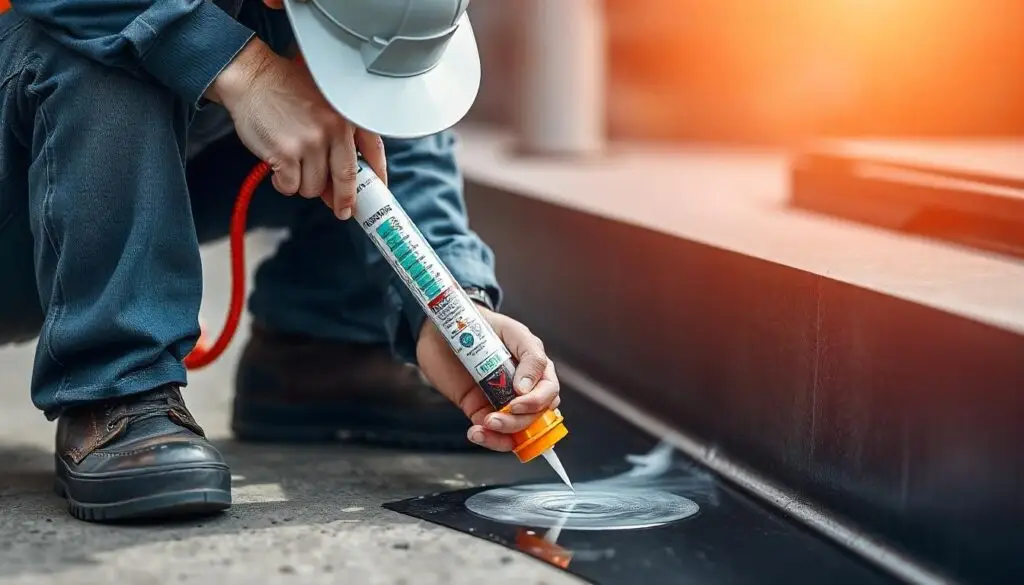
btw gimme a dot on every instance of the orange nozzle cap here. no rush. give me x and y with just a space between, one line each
540 436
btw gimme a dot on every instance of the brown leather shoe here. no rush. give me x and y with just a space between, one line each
143 456
294 388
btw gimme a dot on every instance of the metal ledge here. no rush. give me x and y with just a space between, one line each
945 194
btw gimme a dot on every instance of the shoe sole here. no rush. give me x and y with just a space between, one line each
196 492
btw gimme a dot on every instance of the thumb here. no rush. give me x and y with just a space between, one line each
528 350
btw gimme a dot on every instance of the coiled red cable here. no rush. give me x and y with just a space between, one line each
205 352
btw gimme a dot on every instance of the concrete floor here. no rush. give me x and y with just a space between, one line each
301 515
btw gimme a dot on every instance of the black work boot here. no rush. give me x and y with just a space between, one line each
140 457
294 388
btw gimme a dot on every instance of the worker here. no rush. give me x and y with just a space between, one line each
128 126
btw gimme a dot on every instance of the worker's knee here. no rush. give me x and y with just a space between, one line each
106 106
111 138
116 105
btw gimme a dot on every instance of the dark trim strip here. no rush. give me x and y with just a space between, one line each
804 512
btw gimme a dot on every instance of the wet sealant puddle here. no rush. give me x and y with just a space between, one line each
629 501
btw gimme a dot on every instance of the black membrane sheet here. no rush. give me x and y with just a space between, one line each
643 514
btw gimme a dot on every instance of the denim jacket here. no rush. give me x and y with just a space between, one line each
182 44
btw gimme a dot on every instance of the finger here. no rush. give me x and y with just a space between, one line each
538 400
344 169
542 397
490 439
474 405
503 422
529 351
287 177
371 147
314 174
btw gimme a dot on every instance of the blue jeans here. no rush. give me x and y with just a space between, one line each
101 221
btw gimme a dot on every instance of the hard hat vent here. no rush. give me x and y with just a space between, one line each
396 38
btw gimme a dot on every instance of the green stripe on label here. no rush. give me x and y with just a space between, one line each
424 279
489 365
401 250
394 240
385 228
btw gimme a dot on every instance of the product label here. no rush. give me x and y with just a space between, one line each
498 384
471 338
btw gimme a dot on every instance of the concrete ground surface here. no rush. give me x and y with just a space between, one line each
301 514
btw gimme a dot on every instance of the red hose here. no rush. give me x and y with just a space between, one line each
204 352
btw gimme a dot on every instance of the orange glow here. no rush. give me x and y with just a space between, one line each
532 544
778 69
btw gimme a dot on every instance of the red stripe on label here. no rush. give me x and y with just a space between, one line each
438 300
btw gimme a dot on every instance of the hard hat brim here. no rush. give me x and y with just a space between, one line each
396 107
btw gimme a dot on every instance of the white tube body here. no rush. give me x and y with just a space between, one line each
472 339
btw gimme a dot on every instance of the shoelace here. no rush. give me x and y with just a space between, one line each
155 405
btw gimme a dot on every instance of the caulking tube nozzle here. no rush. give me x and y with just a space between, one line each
556 464
539 439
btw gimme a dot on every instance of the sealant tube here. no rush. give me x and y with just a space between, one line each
469 335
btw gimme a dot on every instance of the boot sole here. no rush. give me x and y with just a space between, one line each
178 493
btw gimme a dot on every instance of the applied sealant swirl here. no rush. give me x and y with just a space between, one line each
596 507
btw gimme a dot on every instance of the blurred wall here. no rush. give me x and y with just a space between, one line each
769 70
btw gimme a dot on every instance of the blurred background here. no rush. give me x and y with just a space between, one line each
770 71
826 312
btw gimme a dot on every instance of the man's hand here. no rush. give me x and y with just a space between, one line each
281 116
535 381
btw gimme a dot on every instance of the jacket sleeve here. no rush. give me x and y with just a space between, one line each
183 44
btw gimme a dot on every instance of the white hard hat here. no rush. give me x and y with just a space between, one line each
400 68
